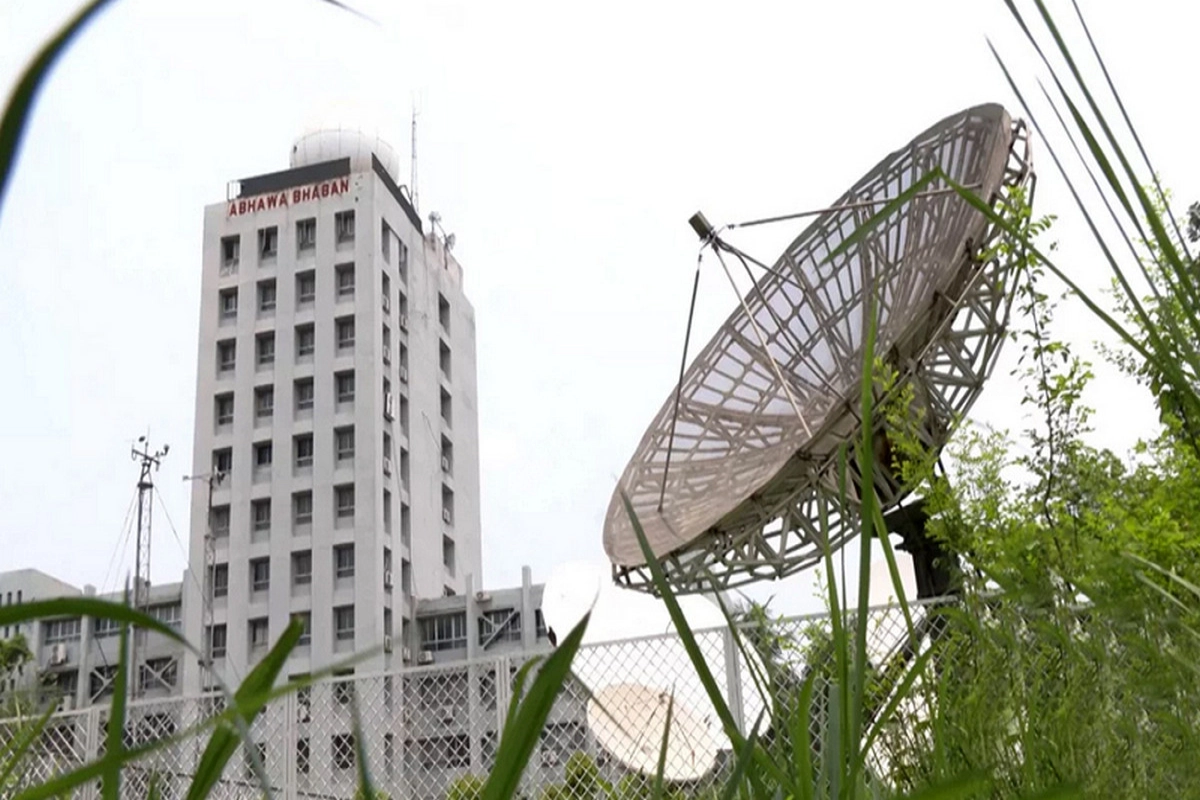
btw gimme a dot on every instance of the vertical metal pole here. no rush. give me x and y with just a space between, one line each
733 679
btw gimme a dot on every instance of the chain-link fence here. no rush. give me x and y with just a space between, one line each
426 728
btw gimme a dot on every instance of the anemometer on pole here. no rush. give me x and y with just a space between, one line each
149 462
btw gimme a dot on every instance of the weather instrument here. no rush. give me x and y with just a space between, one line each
736 478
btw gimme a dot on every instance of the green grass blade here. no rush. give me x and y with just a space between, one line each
366 787
20 103
657 792
248 699
742 759
524 728
518 690
960 786
801 722
115 741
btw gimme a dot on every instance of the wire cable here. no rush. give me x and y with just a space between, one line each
687 337
121 544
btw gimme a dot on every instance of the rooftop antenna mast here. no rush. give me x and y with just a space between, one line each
412 178
149 460
213 479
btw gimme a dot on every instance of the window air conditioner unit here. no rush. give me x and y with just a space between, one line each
387 579
446 515
387 304
403 322
387 644
66 703
58 654
387 466
483 597
387 354
445 463
426 657
549 758
404 374
406 654
389 405
446 713
303 712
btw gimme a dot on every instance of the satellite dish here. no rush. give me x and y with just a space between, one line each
735 473
630 660
628 719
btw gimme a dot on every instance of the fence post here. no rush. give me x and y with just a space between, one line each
733 678
91 745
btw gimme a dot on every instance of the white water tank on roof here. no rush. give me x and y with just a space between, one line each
329 144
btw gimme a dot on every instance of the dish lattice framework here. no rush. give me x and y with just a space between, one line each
752 490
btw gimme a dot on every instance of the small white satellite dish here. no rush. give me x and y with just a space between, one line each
631 656
628 720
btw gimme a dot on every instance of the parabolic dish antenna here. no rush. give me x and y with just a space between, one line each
731 480
631 662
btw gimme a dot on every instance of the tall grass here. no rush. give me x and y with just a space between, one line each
956 753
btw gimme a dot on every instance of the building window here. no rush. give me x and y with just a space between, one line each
385 291
345 280
226 355
260 574
306 342
264 402
220 580
344 501
405 576
447 505
343 225
229 304
343 561
62 630
540 624
266 297
264 454
385 240
444 312
231 247
264 347
500 625
343 622
444 631
344 443
304 394
402 262
306 287
445 404
224 409
302 508
302 567
345 386
103 628
268 243
448 553
223 460
170 614
258 633
303 447
342 746
306 234
345 333
387 345
220 521
261 511
387 510
444 359
305 620
216 641
302 755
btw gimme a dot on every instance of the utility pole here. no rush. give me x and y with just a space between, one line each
149 461
213 479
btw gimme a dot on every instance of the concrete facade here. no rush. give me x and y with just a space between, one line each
336 392
75 658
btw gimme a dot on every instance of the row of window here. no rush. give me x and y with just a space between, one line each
268 240
302 510
302 570
258 631
10 630
267 293
306 345
69 629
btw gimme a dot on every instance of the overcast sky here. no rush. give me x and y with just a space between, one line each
565 144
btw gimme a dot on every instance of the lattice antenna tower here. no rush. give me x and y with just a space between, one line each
149 460
412 178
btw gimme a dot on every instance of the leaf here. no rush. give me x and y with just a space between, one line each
20 102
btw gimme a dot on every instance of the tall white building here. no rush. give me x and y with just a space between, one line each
336 398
